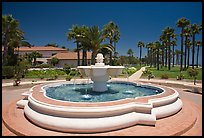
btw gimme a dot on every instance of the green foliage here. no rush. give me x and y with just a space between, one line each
192 72
45 73
131 70
68 77
54 61
67 69
8 72
74 73
180 76
164 76
44 66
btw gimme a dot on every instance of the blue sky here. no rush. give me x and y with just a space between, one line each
48 22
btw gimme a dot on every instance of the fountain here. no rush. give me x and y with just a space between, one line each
111 109
99 73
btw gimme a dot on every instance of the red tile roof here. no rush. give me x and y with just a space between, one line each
70 55
38 48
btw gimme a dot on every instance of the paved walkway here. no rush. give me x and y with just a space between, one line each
136 75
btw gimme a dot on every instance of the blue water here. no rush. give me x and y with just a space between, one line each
84 93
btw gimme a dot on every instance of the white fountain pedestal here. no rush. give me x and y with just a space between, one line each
99 73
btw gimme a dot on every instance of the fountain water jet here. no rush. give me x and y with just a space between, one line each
99 73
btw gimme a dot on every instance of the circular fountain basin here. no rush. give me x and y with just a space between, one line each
85 93
69 116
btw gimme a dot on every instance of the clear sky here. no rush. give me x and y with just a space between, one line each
49 22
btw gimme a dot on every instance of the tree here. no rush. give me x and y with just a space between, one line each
188 44
93 38
173 43
150 46
111 32
198 44
157 46
177 53
54 61
187 35
182 23
193 73
169 32
52 44
34 55
195 29
163 40
75 34
140 44
11 37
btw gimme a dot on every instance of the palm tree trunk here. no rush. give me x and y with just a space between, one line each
169 56
185 55
83 57
193 51
181 64
173 56
188 60
93 56
162 54
157 58
197 55
166 57
140 54
78 54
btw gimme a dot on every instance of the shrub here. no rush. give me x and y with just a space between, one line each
67 69
180 76
68 77
164 76
193 73
44 66
8 72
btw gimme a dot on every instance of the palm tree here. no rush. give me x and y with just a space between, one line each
75 34
188 44
93 38
34 55
195 29
140 44
177 53
163 40
150 53
173 43
169 32
111 32
182 22
187 35
198 44
157 46
12 37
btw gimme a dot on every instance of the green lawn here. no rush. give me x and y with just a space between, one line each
173 73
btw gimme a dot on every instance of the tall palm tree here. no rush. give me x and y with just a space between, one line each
182 22
195 29
93 38
169 32
173 43
188 44
140 44
157 46
198 44
187 34
163 40
12 37
74 34
111 32
177 53
150 46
